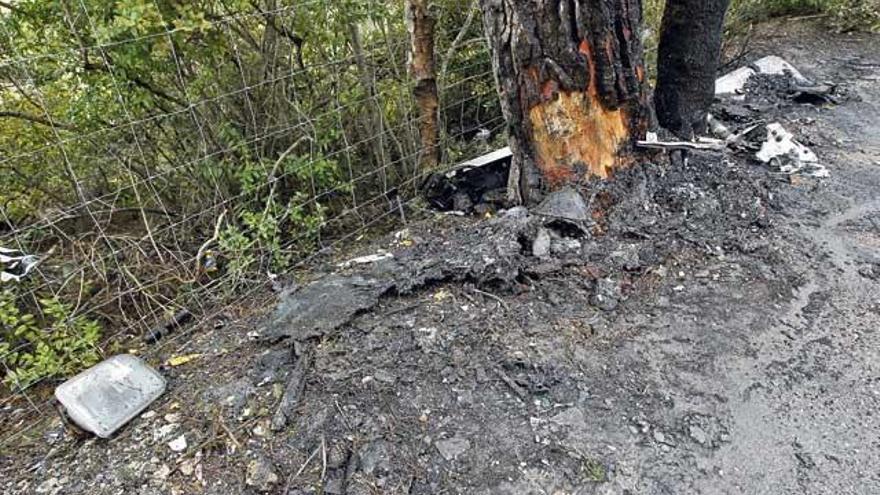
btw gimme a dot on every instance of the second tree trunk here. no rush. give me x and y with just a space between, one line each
690 46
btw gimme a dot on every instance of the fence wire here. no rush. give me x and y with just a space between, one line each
185 159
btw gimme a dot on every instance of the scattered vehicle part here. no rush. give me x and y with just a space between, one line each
702 143
16 264
789 156
733 82
473 179
772 65
108 395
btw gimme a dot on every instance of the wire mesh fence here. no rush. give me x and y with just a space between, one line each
162 159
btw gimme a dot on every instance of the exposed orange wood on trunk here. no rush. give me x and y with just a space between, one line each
573 133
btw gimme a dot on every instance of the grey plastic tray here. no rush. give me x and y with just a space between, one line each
108 395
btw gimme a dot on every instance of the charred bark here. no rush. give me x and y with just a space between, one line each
420 23
690 46
571 82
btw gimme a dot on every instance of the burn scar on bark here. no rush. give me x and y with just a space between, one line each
574 133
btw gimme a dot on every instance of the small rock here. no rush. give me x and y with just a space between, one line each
164 431
259 430
148 415
659 437
261 474
541 244
53 435
187 467
627 258
173 418
607 295
233 395
698 434
567 204
162 473
178 444
453 447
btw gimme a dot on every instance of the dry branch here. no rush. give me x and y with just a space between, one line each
292 392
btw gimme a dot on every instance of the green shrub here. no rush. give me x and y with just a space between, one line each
844 15
848 15
270 225
53 344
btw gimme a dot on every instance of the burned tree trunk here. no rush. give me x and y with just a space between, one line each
571 81
690 46
420 24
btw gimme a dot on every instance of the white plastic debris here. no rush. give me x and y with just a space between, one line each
108 395
735 82
777 66
16 264
789 156
365 260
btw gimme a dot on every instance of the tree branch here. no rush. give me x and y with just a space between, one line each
474 8
139 83
34 119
